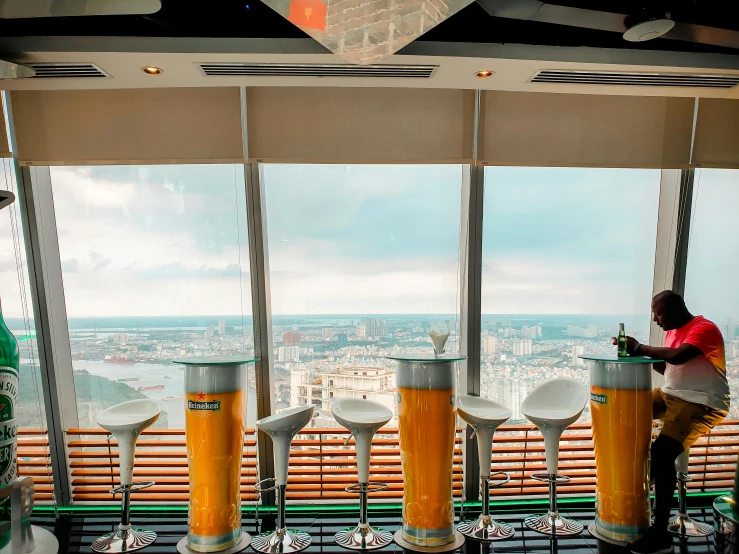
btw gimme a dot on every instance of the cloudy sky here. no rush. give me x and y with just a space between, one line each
172 240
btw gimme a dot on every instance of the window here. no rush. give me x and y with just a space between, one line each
713 262
364 262
155 267
17 312
568 254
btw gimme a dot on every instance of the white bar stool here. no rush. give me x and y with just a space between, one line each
363 418
682 524
282 428
484 416
553 407
126 421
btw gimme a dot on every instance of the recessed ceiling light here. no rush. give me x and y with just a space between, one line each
151 70
483 73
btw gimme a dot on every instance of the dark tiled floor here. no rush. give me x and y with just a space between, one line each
76 533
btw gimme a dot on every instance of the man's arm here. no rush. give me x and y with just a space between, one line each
675 356
659 367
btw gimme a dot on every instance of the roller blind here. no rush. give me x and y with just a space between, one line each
4 147
541 129
717 133
360 124
74 127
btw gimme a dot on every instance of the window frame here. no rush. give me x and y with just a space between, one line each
49 309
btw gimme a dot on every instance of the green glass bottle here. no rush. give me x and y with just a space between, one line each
622 353
9 367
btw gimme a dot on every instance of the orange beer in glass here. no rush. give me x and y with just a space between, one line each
621 408
215 422
426 420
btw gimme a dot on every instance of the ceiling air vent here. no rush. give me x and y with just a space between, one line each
66 70
317 70
635 79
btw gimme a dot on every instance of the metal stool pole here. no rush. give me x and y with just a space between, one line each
126 538
682 524
552 523
281 540
485 528
364 537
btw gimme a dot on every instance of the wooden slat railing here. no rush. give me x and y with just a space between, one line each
321 466
34 461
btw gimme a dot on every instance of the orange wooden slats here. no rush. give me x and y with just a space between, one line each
321 466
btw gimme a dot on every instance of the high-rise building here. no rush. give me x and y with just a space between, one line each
522 347
288 354
578 351
374 327
361 331
488 345
221 327
370 383
343 340
291 338
120 339
305 389
733 349
327 333
510 391
209 332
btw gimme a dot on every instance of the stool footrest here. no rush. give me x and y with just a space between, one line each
550 477
356 488
133 487
258 487
495 484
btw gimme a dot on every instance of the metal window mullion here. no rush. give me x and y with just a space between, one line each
49 308
52 332
470 298
682 239
261 303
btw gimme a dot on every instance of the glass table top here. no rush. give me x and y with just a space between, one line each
726 506
613 359
215 360
427 358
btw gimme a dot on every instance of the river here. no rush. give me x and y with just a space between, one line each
171 376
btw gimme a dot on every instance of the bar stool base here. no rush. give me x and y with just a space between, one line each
554 526
593 530
686 526
44 541
128 540
282 541
456 543
244 543
485 529
363 538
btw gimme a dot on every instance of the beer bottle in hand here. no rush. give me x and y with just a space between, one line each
622 353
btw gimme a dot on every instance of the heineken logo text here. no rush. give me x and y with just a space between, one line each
599 398
212 406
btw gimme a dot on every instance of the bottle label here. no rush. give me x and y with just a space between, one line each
8 424
8 393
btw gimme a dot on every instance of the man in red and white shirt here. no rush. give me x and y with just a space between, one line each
694 398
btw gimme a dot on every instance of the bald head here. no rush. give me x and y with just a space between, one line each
669 311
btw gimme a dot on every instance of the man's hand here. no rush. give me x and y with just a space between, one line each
631 345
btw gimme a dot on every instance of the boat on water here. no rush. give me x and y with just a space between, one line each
124 379
168 398
152 387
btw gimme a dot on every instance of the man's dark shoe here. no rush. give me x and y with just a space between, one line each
653 542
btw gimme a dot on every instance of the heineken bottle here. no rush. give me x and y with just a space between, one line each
9 364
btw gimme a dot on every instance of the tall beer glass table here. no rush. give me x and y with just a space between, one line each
427 422
215 422
621 409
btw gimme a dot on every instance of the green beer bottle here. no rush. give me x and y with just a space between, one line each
9 366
